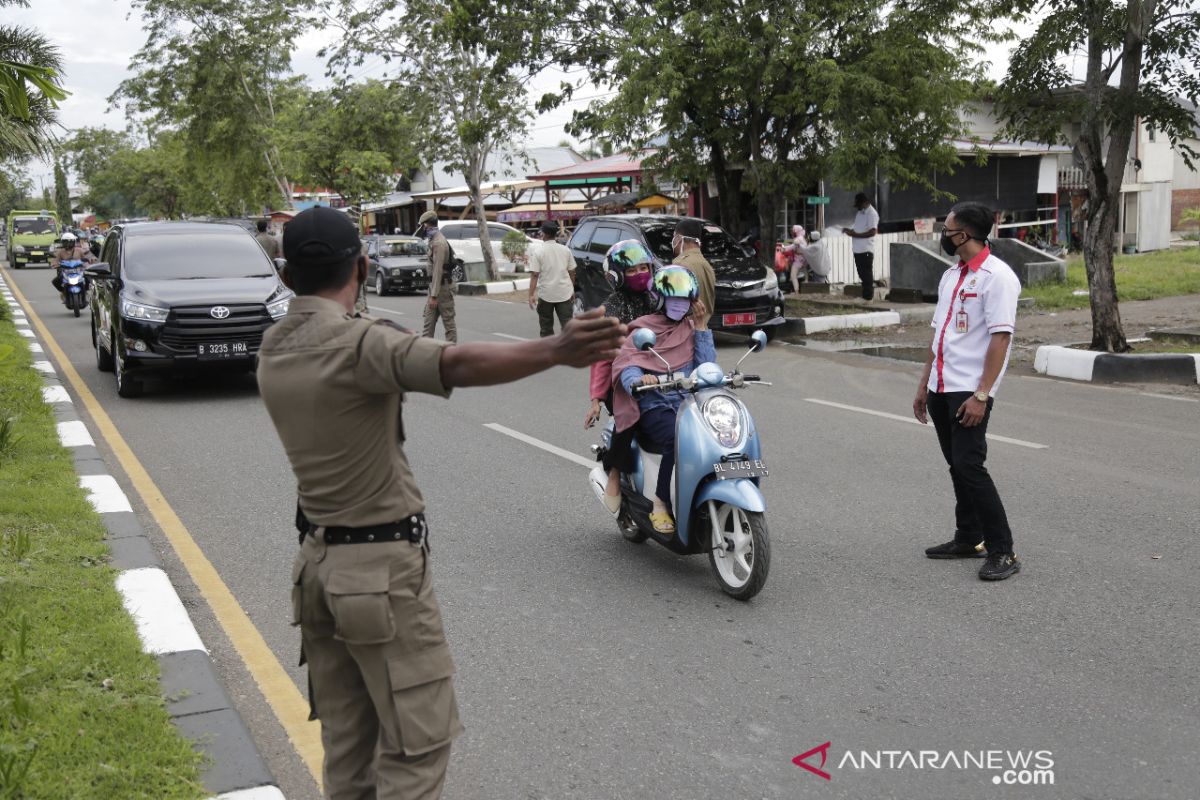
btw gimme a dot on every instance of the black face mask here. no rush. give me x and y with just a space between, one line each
948 245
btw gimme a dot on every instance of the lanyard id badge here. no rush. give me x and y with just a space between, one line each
960 321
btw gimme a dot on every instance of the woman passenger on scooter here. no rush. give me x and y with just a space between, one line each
628 266
684 340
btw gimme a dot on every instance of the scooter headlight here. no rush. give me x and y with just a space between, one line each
724 417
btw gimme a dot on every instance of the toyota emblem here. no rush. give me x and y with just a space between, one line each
218 312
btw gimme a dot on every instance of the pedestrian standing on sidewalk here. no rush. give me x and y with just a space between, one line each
379 666
441 285
972 331
552 281
269 243
866 225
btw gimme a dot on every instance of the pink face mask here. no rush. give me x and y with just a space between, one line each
639 282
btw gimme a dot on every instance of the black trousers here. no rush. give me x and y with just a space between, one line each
865 264
978 511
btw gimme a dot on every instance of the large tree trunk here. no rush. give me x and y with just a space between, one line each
1107 333
485 244
729 191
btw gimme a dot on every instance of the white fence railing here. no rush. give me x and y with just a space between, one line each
842 258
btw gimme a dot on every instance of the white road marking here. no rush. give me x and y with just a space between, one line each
1171 397
104 494
162 622
538 443
372 310
28 334
898 418
55 394
34 347
257 793
510 336
74 434
44 366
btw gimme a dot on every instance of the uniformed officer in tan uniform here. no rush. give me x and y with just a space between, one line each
332 381
441 289
686 246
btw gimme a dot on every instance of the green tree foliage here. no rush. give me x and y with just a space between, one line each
771 97
218 72
62 194
87 150
1140 57
466 100
351 139
15 188
29 90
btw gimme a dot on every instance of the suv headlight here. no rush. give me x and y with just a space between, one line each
279 307
772 280
397 272
19 249
132 310
724 416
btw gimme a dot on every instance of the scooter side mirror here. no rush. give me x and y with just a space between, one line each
98 271
644 339
758 342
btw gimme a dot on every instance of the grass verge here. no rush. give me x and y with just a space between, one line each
797 307
1145 276
81 713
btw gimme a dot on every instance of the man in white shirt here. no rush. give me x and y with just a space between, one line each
552 283
866 225
972 331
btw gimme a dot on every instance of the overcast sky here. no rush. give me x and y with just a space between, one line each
98 38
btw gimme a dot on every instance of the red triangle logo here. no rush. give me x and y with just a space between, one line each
800 760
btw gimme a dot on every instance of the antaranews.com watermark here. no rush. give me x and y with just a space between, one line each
1006 767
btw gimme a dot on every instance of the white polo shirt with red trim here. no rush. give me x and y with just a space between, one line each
975 300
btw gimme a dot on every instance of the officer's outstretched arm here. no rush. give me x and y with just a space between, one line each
585 340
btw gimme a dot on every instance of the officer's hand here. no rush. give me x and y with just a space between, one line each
532 302
920 405
589 338
433 302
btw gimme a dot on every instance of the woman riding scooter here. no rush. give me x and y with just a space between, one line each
683 343
628 266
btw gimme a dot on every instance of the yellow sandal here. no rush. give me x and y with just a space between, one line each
662 522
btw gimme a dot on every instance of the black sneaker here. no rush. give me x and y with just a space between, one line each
953 549
999 566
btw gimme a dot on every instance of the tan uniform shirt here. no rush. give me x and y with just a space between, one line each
695 263
76 253
268 243
439 250
332 384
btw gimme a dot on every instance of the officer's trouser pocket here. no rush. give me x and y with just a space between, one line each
297 589
358 600
423 694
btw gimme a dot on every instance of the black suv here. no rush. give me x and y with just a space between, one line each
397 264
178 295
748 293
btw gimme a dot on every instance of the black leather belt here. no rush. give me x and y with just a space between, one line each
412 529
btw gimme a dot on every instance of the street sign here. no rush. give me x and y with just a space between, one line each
817 201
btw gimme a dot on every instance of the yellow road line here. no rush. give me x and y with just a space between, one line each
277 687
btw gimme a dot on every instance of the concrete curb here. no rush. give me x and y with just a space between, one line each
196 700
493 287
1087 365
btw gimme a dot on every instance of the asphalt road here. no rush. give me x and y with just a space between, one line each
592 668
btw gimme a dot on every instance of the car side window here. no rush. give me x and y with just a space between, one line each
583 235
108 254
604 238
452 232
496 233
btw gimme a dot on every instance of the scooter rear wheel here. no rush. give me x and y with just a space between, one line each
740 549
629 528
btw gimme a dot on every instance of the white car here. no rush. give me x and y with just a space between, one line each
463 236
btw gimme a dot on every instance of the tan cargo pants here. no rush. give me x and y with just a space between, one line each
445 310
379 668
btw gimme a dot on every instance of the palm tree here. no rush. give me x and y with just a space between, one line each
29 90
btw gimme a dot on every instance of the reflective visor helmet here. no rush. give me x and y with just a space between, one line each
676 282
623 255
68 238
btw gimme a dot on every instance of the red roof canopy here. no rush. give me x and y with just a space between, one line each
614 166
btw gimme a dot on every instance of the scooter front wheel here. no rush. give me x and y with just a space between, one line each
739 550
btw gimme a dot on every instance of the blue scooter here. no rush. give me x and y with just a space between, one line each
74 284
719 508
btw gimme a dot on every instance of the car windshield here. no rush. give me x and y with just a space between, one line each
402 247
715 244
184 256
33 225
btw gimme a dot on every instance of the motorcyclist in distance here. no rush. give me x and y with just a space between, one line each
69 249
